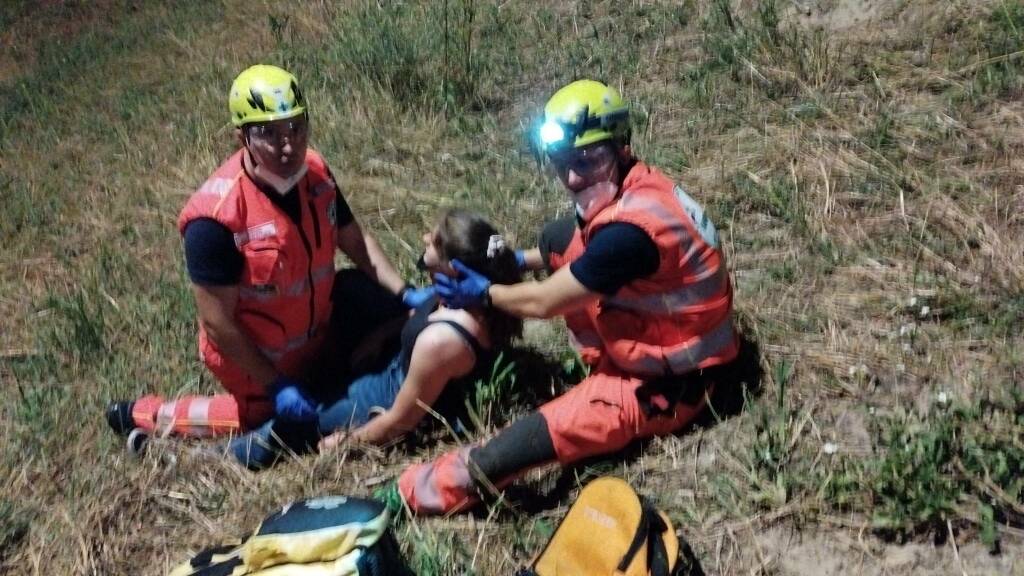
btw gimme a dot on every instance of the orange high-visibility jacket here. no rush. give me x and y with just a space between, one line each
679 319
284 293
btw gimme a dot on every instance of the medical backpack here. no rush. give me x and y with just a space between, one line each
327 536
610 530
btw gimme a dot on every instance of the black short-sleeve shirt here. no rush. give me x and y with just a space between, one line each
616 255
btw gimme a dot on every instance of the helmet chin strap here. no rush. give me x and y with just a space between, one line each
280 185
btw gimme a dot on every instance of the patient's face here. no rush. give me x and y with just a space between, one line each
431 255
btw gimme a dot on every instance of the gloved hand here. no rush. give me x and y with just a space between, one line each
413 297
467 291
291 403
521 259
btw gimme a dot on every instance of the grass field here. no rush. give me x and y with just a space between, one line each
862 159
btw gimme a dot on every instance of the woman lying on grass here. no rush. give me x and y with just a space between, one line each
443 351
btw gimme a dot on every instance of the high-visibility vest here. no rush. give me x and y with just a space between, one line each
679 319
284 292
583 335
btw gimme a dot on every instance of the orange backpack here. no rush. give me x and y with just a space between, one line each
612 531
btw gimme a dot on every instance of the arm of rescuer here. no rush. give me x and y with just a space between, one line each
364 251
215 268
530 260
557 294
216 306
439 355
617 254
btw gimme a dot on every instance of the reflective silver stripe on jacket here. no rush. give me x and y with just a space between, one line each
255 233
290 345
678 300
298 288
685 358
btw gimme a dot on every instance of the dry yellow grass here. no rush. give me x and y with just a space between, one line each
864 165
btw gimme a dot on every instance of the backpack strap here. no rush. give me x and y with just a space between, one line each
226 568
214 561
688 564
206 556
657 556
648 532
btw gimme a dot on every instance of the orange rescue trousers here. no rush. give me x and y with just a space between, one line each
600 415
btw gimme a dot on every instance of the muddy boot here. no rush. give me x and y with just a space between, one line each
119 417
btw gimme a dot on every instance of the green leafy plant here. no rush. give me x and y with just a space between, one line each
491 398
912 486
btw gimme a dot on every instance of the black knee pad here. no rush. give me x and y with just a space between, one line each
523 444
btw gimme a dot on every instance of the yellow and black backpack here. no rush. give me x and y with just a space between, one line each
327 536
610 530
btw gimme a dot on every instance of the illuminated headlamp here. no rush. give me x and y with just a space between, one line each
556 135
551 133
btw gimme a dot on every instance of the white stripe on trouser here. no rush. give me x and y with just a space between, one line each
165 417
199 416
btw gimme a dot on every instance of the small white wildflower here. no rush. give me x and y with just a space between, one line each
852 370
907 329
913 300
925 310
871 410
943 398
830 448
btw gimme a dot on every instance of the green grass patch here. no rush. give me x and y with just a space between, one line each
996 63
418 106
14 525
948 465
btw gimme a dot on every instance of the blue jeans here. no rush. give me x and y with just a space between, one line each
261 447
364 394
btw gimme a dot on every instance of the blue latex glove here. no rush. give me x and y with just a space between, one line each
521 259
414 297
291 403
467 291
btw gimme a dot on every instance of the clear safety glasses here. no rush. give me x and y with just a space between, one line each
583 161
292 130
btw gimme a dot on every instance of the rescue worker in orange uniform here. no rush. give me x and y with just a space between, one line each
260 237
641 280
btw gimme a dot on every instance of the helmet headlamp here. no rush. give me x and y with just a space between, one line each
557 135
551 133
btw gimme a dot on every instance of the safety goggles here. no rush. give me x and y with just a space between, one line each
583 161
294 130
557 135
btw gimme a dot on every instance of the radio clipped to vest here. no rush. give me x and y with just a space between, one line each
327 536
610 530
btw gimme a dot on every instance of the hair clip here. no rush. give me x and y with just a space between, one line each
495 244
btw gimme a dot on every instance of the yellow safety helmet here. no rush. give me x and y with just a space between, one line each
264 93
583 113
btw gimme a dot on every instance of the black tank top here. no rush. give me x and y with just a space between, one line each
451 403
